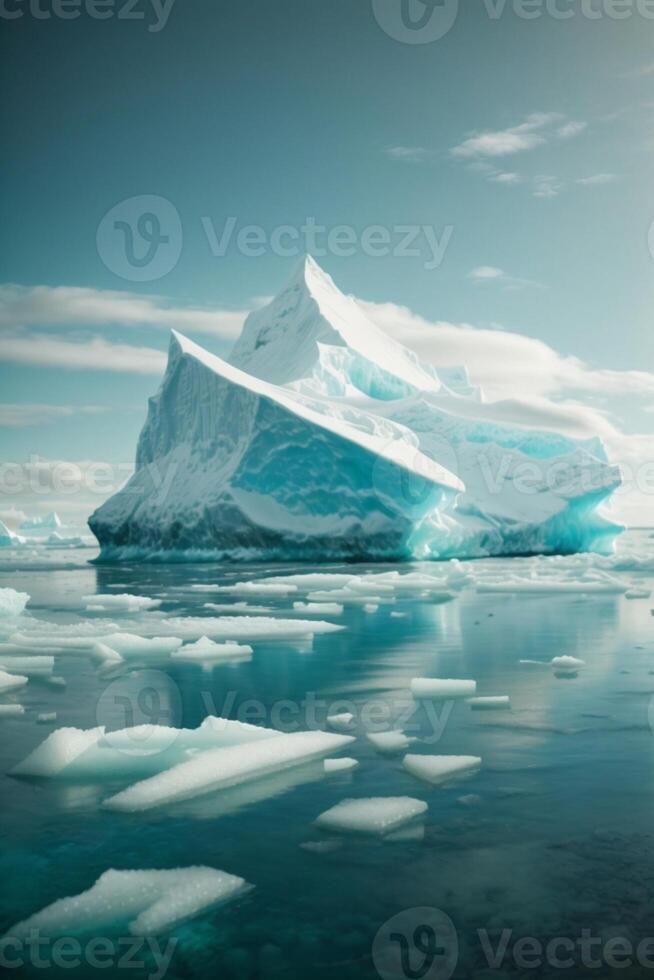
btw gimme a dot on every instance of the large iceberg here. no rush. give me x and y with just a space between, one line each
324 439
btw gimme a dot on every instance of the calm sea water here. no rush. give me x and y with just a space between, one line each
551 837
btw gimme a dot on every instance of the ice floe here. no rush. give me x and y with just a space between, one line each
442 689
390 742
342 722
319 608
340 765
374 815
244 627
438 769
11 710
12 603
225 767
11 682
494 703
73 753
205 650
144 902
119 603
28 666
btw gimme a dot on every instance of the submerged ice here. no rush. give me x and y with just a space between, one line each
322 438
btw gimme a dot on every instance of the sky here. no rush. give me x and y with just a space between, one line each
478 174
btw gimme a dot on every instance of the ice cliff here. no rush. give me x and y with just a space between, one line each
324 439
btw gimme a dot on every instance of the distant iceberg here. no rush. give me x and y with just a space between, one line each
324 439
50 522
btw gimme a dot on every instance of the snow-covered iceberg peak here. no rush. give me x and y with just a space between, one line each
322 438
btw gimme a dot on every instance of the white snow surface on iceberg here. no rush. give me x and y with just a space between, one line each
146 902
324 439
375 815
226 767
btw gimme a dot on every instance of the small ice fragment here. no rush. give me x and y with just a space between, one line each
12 603
120 602
319 608
370 607
375 815
398 615
217 769
11 682
437 688
46 717
322 846
498 703
469 799
390 742
205 649
437 769
145 902
257 588
129 645
342 722
244 627
11 710
638 594
340 765
567 663
28 666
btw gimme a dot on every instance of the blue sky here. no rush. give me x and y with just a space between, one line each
518 150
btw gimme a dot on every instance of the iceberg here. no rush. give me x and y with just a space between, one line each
438 769
147 903
50 522
8 539
323 439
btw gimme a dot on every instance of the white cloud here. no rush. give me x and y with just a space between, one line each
505 177
22 416
596 180
535 130
408 154
486 272
545 186
95 353
491 274
40 306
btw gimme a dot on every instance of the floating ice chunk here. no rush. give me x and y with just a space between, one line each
319 608
11 710
340 765
238 607
244 627
371 584
144 902
347 596
438 769
12 603
123 601
57 752
371 607
72 753
129 645
567 664
390 742
221 768
440 689
46 717
399 615
11 682
498 703
106 655
28 666
551 586
312 580
342 722
204 650
375 815
257 588
638 594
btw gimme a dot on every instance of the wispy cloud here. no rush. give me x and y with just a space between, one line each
640 71
408 154
95 353
485 274
45 306
596 180
536 130
22 416
504 177
545 186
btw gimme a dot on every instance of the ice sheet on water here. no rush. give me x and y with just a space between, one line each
226 767
12 603
340 765
244 627
438 769
122 602
204 650
73 753
144 902
319 608
312 580
11 682
436 688
341 722
257 588
46 717
375 815
390 742
638 593
28 666
128 645
11 710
